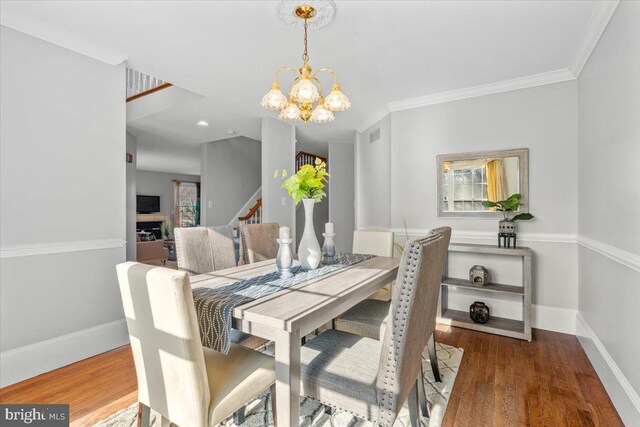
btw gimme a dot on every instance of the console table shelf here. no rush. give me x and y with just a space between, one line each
496 325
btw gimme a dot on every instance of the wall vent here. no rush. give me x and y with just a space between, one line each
374 136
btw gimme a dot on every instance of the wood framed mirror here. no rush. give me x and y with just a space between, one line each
465 180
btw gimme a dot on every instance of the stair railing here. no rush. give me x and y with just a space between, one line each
140 84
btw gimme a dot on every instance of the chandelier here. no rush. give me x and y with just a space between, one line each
306 101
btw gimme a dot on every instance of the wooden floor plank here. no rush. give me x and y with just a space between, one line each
501 382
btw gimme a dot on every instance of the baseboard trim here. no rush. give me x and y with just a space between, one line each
26 362
61 247
556 319
624 397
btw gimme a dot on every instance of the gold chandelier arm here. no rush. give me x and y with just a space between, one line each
286 67
321 89
335 76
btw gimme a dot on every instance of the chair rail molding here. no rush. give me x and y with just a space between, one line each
626 258
61 247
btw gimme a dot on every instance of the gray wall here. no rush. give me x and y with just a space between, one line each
231 174
132 145
342 194
151 183
399 171
62 221
278 152
609 155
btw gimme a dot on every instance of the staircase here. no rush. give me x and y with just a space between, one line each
140 84
254 216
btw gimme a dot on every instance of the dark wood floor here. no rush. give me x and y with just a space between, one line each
501 381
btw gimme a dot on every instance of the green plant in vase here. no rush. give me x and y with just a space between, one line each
307 185
508 224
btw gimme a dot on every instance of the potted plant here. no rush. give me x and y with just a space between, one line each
165 230
508 224
307 186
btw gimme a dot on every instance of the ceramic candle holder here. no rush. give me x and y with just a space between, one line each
284 259
329 248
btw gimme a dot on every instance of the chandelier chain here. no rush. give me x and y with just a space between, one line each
305 57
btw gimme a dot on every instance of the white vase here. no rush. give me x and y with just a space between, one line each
309 250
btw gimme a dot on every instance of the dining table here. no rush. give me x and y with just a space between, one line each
286 316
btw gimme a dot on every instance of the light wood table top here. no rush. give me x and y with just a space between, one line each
287 315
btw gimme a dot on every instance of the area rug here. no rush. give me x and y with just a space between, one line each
312 413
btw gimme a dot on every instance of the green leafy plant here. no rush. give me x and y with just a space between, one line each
307 183
511 204
165 229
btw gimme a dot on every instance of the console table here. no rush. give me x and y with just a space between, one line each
496 325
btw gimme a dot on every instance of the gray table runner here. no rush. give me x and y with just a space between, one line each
214 306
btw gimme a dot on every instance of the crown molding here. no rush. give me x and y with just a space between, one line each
600 17
60 37
379 114
533 80
60 247
550 77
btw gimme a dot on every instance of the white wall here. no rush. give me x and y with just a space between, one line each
400 172
342 194
62 218
609 257
153 183
132 148
158 153
373 176
231 174
278 152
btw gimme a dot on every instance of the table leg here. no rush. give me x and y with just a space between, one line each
288 378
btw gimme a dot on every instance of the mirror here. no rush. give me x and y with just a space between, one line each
465 180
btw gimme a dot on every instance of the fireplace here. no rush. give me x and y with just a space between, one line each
151 227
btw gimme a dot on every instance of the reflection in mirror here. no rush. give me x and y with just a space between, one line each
466 181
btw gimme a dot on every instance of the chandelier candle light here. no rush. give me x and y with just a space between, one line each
305 94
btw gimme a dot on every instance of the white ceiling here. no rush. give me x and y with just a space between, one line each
383 51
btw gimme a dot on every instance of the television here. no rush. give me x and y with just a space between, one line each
147 204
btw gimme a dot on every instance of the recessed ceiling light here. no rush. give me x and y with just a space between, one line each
231 132
203 123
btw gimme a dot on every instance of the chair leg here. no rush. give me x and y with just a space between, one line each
413 401
144 415
273 405
433 358
422 395
238 416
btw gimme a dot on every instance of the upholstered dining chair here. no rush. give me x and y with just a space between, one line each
371 378
378 243
259 241
185 383
369 318
201 250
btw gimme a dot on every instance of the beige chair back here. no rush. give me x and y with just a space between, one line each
373 242
260 241
193 250
201 250
412 317
165 341
222 247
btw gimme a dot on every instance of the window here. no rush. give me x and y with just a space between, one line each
469 188
188 204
